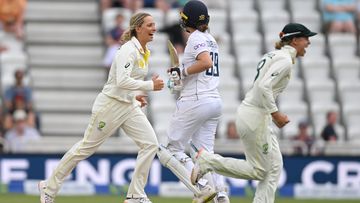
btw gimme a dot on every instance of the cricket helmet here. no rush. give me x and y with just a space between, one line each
194 14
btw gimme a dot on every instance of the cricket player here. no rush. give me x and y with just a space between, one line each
263 157
118 105
199 106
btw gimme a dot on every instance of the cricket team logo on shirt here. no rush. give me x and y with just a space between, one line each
141 63
101 125
265 148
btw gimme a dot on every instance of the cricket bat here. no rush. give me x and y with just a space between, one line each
174 58
174 83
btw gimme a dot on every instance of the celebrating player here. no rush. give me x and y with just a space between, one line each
199 105
118 106
263 157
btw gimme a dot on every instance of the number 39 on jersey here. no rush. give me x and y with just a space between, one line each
214 70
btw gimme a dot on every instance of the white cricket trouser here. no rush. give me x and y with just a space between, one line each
196 120
263 157
108 115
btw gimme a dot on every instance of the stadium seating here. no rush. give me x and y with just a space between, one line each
108 17
248 45
347 71
305 12
65 48
12 59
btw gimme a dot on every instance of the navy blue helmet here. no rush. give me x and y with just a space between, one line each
194 14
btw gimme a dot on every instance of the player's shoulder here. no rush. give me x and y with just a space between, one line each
127 48
278 55
202 39
197 36
129 45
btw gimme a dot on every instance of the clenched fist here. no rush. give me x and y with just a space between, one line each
280 119
158 83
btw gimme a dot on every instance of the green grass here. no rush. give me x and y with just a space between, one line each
14 198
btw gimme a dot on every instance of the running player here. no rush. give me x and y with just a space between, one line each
263 157
118 106
199 105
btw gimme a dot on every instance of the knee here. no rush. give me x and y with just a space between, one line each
277 167
150 143
260 174
277 163
151 146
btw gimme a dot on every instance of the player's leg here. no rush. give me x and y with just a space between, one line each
215 180
170 161
105 112
266 189
231 167
178 166
182 126
252 168
210 109
138 128
221 188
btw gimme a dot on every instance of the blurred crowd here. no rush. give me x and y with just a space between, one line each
19 122
305 140
175 33
339 16
113 35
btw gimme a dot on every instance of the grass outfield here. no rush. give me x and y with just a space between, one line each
114 199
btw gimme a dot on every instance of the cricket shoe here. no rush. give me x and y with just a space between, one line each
138 200
44 198
207 193
196 173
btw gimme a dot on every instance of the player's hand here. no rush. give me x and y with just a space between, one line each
280 119
142 100
158 83
177 70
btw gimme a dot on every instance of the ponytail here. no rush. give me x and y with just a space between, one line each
283 41
126 36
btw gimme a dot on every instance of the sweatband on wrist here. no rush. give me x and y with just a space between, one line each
184 72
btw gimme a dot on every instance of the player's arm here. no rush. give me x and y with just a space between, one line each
279 119
198 48
277 71
203 62
28 99
125 61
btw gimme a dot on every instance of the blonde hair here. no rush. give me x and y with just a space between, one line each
282 43
136 21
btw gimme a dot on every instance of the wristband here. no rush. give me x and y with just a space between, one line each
184 72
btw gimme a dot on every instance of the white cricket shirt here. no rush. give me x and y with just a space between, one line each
273 75
206 82
127 72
